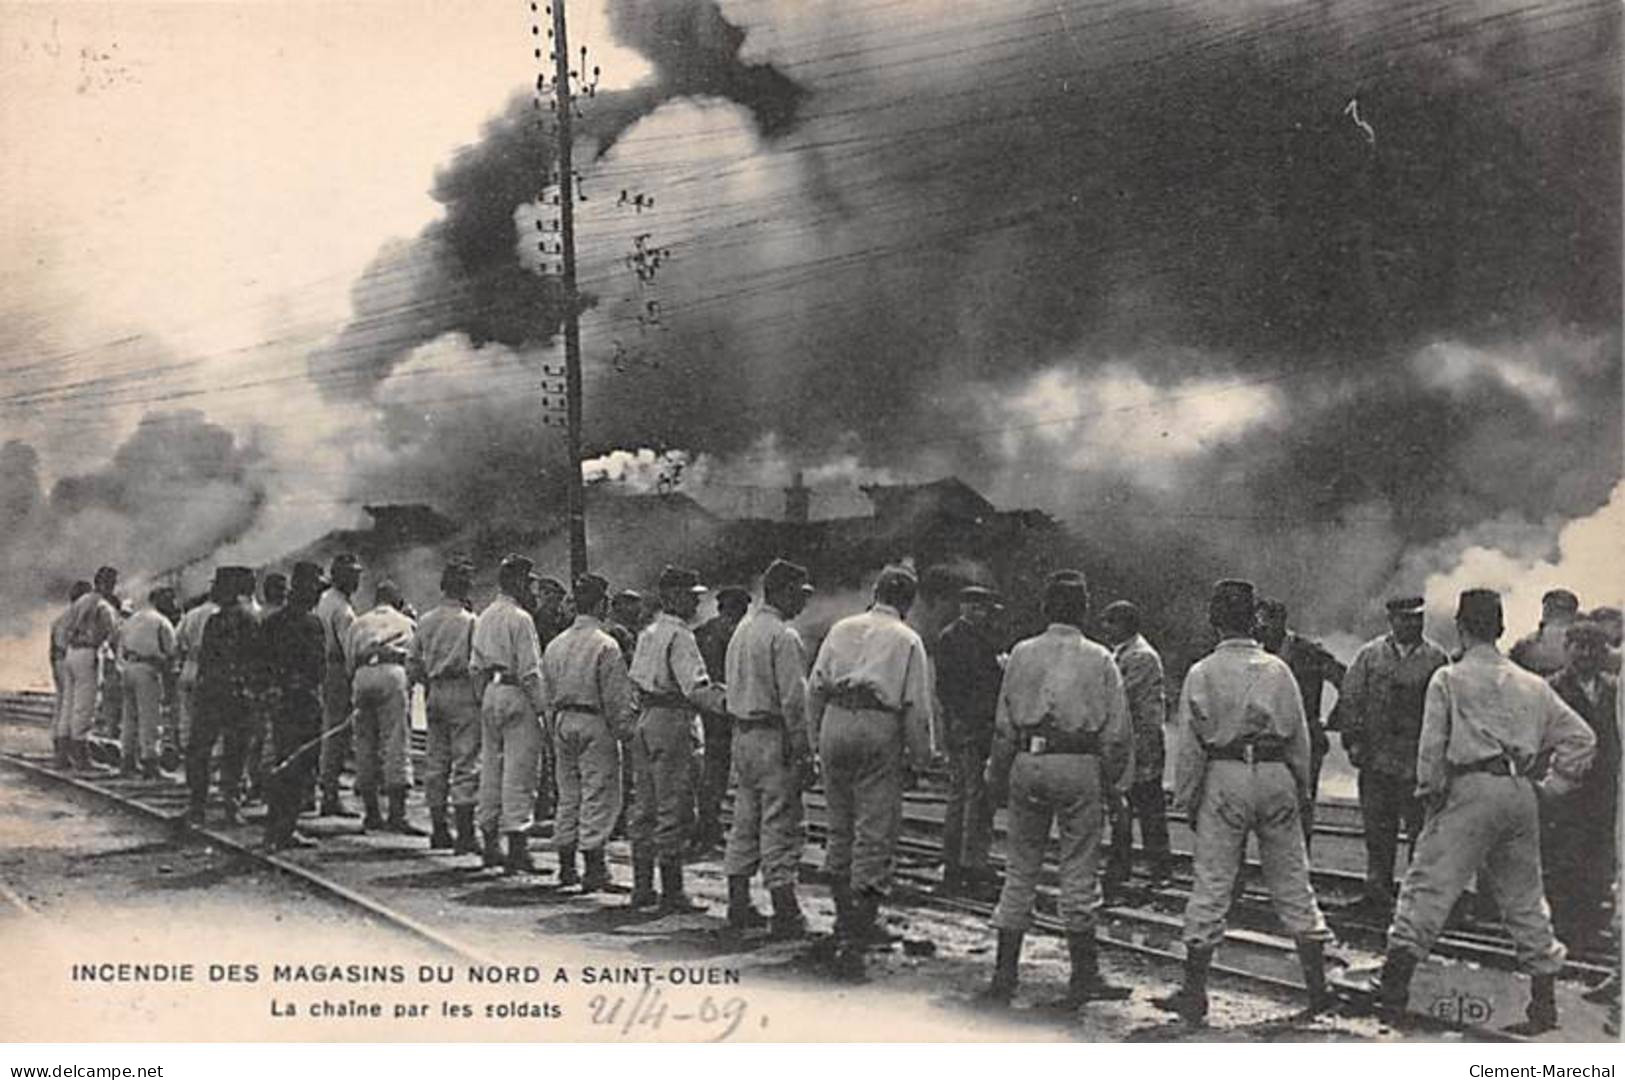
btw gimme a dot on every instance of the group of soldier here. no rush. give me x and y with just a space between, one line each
1492 770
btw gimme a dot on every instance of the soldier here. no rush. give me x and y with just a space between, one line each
548 601
376 650
295 645
440 657
593 714
336 614
274 595
969 667
507 667
713 636
147 650
869 711
60 737
1545 651
1484 725
1141 669
1313 667
1241 767
189 642
1062 738
672 683
228 676
625 621
766 672
92 621
1381 699
1578 834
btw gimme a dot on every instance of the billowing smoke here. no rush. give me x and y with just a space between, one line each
1239 288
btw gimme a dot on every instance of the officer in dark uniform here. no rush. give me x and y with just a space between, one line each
1313 667
968 666
295 648
229 673
713 636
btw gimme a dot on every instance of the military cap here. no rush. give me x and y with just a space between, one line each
307 575
234 580
1271 606
628 596
1586 630
978 594
457 576
1479 604
732 592
1405 605
106 573
677 579
1562 599
782 573
1066 579
542 581
516 564
1122 611
344 560
590 589
1234 596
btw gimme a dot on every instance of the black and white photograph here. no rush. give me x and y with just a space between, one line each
811 521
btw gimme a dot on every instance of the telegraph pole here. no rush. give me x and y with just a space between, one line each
565 110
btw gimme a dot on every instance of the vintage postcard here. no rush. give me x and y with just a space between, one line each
810 521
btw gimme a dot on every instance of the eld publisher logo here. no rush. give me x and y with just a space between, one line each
1460 1008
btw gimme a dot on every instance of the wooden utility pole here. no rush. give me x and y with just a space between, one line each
572 309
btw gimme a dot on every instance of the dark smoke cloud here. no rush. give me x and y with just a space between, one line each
952 207
175 491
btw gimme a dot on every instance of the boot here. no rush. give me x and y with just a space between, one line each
1394 986
1085 984
643 882
596 876
568 875
742 914
149 768
1541 1016
788 921
953 880
862 911
194 813
1190 1000
1006 962
841 893
128 766
333 805
467 841
397 822
491 854
1312 955
60 754
673 899
518 861
374 820
439 835
229 814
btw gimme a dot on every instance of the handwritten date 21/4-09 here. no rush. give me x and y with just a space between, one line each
650 1012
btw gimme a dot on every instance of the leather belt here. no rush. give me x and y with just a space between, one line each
860 699
665 701
136 658
453 676
500 677
1500 765
751 723
584 710
1060 742
1250 751
375 660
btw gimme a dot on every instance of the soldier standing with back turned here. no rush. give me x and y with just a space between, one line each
968 673
440 659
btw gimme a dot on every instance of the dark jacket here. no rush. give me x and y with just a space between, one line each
968 678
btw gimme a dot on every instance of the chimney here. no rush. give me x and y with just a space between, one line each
797 502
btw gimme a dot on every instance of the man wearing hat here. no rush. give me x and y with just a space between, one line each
1578 834
1545 650
258 756
337 614
377 649
713 636
92 621
1381 701
1141 668
228 677
1313 667
146 652
1485 724
295 660
439 658
1241 767
590 696
1062 738
672 683
766 672
507 665
968 673
869 711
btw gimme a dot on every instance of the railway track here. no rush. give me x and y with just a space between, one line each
1251 953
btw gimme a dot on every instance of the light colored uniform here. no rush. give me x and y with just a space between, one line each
591 698
671 680
376 652
92 621
336 614
59 675
1236 695
767 701
506 652
1485 708
147 649
189 640
869 694
441 654
1063 717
